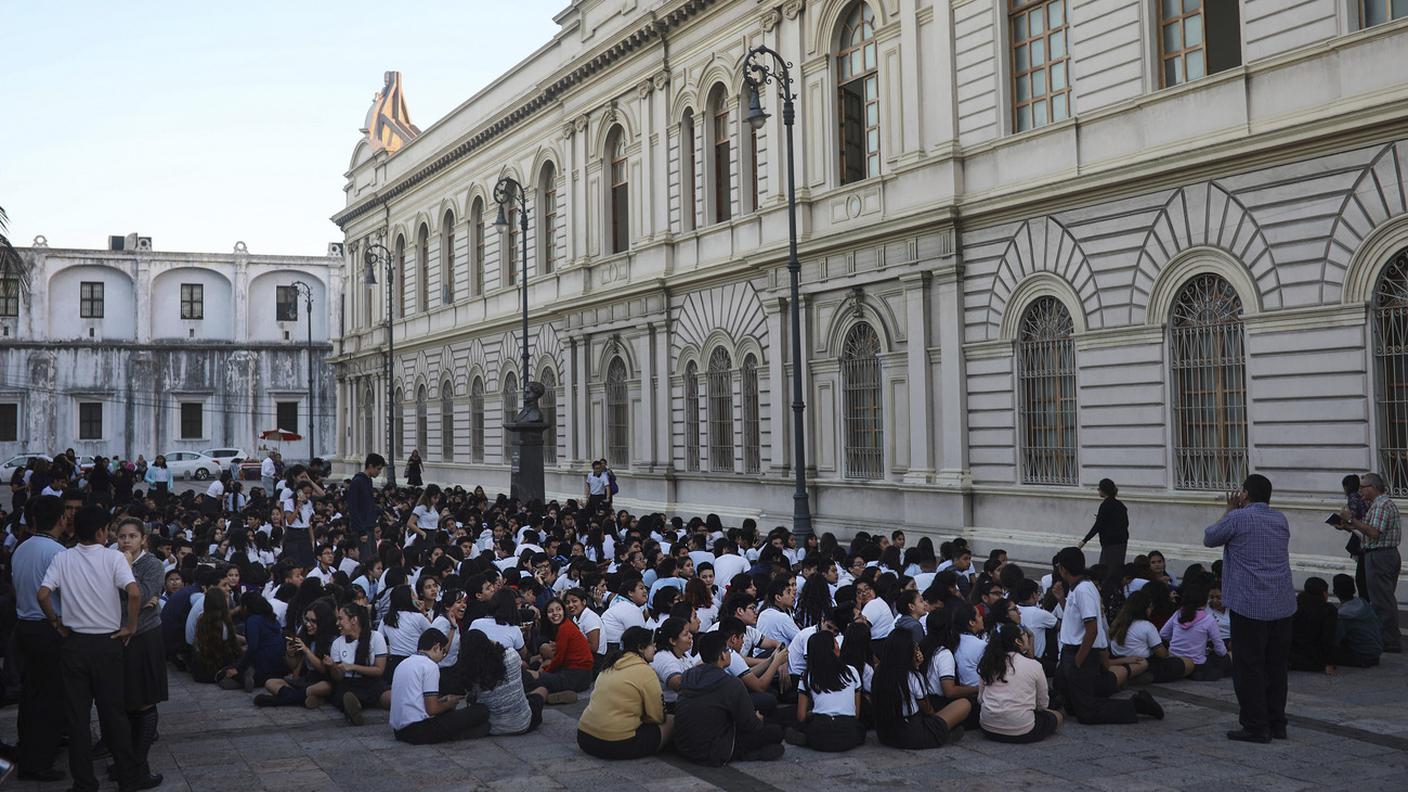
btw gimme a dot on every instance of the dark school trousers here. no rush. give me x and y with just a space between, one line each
747 743
1261 658
461 724
1088 688
41 718
93 674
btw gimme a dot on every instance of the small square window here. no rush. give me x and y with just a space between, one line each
287 415
9 422
192 301
9 296
285 304
192 420
90 420
90 300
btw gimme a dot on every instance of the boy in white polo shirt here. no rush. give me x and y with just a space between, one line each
419 714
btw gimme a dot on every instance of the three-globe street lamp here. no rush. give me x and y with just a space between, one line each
526 473
373 255
306 292
764 66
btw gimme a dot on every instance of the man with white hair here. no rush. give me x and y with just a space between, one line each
1382 533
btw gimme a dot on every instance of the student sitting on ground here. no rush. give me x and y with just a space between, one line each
1012 692
1191 631
1136 644
1313 629
358 664
419 714
714 716
625 717
1358 639
904 716
828 699
494 677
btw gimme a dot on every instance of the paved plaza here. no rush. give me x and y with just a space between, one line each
1348 731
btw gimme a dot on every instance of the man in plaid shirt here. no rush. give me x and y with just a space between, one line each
1382 563
1257 588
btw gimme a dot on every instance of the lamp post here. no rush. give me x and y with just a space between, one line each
526 471
306 292
377 254
763 66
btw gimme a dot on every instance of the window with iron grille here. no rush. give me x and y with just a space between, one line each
404 276
447 421
9 422
476 420
688 205
90 300
859 80
548 214
192 420
723 204
423 268
476 234
720 410
447 257
1198 38
618 423
192 301
286 415
285 304
752 430
1208 362
421 421
1377 12
620 192
548 404
510 246
369 433
398 424
1046 381
691 417
755 196
510 403
864 417
90 421
9 296
1041 89
1391 372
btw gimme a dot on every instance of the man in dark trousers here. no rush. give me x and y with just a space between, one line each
714 716
1257 588
41 723
361 505
89 577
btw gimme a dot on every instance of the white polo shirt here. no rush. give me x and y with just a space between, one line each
416 677
1083 603
89 576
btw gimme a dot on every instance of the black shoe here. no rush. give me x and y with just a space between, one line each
150 782
1144 704
266 700
46 776
1279 733
1242 735
768 753
100 749
794 737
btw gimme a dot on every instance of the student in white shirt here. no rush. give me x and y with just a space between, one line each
501 625
402 627
420 715
1035 619
587 621
625 612
775 621
1136 644
323 570
828 699
904 715
674 646
966 624
876 611
358 665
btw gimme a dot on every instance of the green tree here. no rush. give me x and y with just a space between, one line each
11 264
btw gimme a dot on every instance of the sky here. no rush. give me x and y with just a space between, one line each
200 124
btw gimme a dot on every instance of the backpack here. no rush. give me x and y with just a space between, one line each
611 477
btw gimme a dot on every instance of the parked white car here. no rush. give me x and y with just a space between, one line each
192 465
18 461
225 455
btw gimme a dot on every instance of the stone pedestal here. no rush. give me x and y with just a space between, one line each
526 465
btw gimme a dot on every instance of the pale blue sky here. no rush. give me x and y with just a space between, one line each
199 124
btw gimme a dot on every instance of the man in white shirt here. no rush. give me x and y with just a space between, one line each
728 564
1035 619
89 577
1088 684
419 714
268 469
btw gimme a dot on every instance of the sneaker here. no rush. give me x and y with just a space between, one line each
43 776
1242 735
768 753
313 702
1279 733
1144 704
150 782
563 697
266 700
352 708
230 683
794 737
955 735
100 749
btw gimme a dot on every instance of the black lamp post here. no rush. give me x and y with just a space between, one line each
306 292
763 66
526 471
377 254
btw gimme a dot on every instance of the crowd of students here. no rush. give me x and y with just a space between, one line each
464 616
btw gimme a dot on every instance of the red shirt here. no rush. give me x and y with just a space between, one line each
573 651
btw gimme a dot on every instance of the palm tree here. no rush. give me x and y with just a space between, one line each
11 264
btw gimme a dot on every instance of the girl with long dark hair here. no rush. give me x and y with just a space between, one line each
308 682
828 699
492 673
1136 644
1012 691
625 718
904 716
402 627
673 642
1191 631
358 664
568 657
814 602
216 645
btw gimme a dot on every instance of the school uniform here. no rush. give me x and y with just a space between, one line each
881 619
588 621
777 625
368 690
402 639
410 723
622 615
41 672
1014 709
914 730
833 724
1088 686
668 665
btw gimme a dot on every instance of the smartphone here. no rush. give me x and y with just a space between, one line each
1334 519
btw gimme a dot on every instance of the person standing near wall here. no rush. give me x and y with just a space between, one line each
1112 526
1382 562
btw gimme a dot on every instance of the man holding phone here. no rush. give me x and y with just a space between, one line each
1382 534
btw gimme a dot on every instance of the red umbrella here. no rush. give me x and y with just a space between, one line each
280 434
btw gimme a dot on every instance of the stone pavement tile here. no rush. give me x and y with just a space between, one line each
304 780
1130 782
1263 782
521 783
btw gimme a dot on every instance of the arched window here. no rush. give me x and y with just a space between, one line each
509 247
476 420
691 417
618 422
423 268
548 405
547 219
402 274
720 410
1208 362
368 313
398 423
510 402
447 259
619 222
751 168
476 243
752 429
720 185
859 97
688 201
369 438
860 385
447 421
1391 372
1046 378
421 421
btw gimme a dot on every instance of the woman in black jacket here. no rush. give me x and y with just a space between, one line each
1112 524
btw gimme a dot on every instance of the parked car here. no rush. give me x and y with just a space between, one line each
18 461
226 455
192 464
85 463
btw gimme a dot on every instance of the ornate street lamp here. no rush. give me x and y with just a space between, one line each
306 292
374 255
526 471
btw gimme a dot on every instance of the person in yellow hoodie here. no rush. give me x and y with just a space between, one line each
625 718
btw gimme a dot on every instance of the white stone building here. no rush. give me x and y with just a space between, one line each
1043 242
132 350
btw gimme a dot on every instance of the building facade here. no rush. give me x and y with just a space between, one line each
1043 242
138 351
